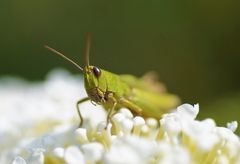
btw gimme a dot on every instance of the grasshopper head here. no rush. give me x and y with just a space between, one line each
94 79
95 83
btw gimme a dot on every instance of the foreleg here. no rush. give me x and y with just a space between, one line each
78 109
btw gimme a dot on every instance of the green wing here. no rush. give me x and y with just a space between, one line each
153 104
150 95
148 82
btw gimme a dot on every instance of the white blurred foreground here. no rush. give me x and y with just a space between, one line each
38 124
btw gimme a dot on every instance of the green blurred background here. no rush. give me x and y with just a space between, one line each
192 45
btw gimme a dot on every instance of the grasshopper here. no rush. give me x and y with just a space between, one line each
143 96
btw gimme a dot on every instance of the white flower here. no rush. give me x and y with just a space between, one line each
232 125
59 152
130 149
93 151
19 160
73 155
39 125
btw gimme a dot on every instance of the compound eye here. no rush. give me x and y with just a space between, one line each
96 71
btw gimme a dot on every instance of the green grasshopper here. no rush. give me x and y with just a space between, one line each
143 96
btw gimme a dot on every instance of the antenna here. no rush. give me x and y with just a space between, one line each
87 51
63 56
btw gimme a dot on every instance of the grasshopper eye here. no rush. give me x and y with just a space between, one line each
96 71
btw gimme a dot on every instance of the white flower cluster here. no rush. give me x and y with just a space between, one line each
38 124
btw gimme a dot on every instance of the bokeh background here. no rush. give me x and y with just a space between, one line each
194 46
